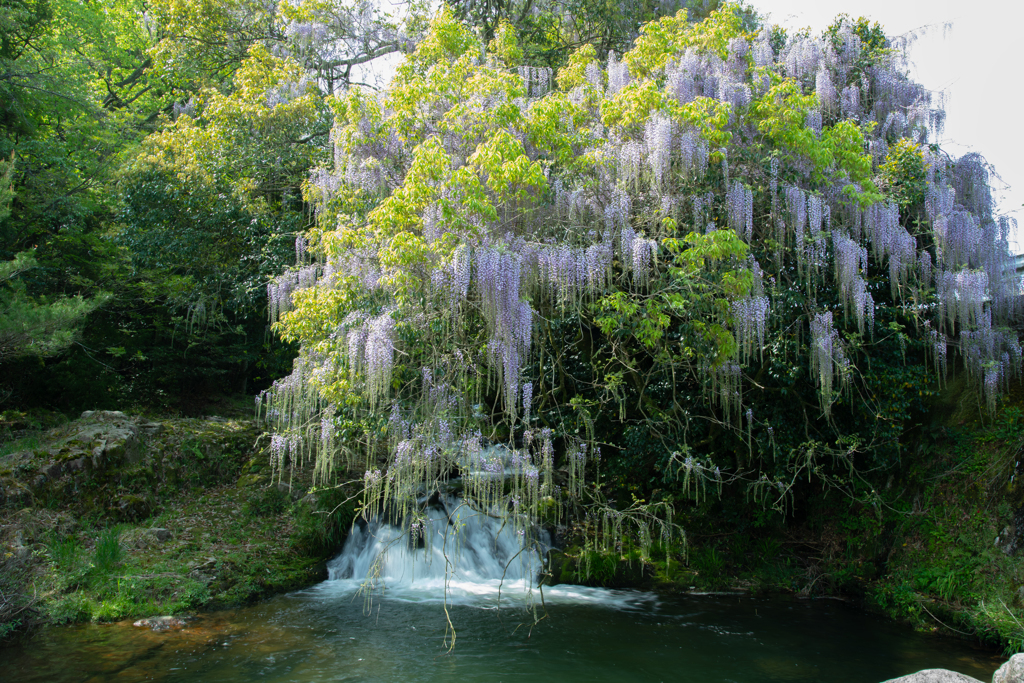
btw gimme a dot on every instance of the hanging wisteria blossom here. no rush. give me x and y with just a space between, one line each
512 267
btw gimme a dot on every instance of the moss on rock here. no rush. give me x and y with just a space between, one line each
114 517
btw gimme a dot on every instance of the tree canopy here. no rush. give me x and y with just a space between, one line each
160 150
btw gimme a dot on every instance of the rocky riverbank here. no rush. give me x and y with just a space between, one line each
112 517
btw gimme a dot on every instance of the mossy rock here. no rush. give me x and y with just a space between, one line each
132 507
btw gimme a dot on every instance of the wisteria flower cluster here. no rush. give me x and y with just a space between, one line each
497 245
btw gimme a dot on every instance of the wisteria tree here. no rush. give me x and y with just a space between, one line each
730 257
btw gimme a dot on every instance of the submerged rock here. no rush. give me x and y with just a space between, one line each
1010 672
161 623
934 676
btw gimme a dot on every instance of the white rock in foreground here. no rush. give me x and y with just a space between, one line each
1010 672
934 676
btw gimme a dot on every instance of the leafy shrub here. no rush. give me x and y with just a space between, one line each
70 608
710 565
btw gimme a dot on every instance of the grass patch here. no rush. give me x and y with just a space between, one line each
108 553
65 553
25 443
266 502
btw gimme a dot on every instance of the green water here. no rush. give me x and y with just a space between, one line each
328 634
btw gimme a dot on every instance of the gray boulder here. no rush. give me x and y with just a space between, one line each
108 435
934 676
103 416
1010 672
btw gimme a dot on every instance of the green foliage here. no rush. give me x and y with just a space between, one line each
903 175
266 502
548 32
82 85
108 553
710 566
841 148
66 553
321 526
6 193
668 37
36 328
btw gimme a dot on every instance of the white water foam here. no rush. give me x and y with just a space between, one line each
461 556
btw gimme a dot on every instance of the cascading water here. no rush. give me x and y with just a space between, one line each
453 551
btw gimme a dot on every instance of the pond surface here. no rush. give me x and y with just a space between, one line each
332 633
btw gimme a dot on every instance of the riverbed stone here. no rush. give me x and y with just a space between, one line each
934 676
103 415
164 623
1010 672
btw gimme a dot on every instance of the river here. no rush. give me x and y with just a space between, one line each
504 629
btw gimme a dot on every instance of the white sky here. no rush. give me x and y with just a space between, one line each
977 62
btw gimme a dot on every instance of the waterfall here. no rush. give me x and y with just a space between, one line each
459 555
455 551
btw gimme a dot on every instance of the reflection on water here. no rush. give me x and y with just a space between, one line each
329 633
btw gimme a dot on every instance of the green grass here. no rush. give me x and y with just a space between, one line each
266 502
108 553
25 443
65 553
